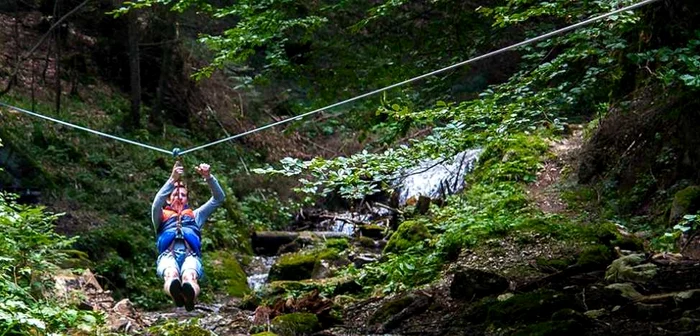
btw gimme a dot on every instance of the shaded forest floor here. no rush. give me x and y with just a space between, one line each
529 282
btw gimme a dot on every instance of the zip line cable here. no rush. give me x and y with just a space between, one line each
86 129
176 152
493 53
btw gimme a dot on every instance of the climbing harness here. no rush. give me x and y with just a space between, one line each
179 235
177 152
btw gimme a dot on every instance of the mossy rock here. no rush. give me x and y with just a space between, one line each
295 324
367 242
685 201
302 265
555 264
372 231
408 234
469 284
346 285
250 301
528 307
339 244
177 328
328 254
342 285
391 308
629 243
226 273
605 233
292 247
283 286
265 333
631 268
596 256
296 266
551 328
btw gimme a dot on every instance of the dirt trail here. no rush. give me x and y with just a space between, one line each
545 191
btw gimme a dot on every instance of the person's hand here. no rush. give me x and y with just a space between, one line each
203 169
178 169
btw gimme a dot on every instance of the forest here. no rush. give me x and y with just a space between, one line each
398 167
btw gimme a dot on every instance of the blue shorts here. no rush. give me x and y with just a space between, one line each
181 261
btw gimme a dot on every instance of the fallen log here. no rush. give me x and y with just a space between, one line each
269 242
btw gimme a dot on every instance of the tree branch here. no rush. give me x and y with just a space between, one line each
13 76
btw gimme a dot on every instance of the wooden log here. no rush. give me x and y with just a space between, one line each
269 242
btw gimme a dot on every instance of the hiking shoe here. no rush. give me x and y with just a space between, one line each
175 290
189 295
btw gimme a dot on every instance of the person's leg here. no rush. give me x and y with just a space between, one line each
191 273
168 270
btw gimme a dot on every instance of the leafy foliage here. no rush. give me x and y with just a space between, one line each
673 66
304 46
31 253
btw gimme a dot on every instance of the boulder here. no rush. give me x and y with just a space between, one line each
408 234
625 290
395 310
230 276
685 201
295 324
297 266
631 269
469 284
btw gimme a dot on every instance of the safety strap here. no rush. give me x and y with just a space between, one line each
179 235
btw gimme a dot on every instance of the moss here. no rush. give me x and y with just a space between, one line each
513 158
408 234
605 233
595 256
250 301
296 266
367 242
527 307
579 196
555 264
337 285
292 247
391 308
287 286
295 324
631 268
551 328
372 231
226 273
685 201
265 333
339 244
302 265
629 243
189 328
328 254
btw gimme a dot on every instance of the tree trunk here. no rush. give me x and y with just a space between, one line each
57 61
169 46
133 121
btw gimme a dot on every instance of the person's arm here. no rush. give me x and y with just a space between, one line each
162 195
217 198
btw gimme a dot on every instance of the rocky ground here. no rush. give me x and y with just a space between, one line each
526 283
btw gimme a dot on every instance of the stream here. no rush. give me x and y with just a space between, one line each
434 179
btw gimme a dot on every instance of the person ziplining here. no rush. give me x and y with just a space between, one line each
179 230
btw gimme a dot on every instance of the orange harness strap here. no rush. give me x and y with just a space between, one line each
188 249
